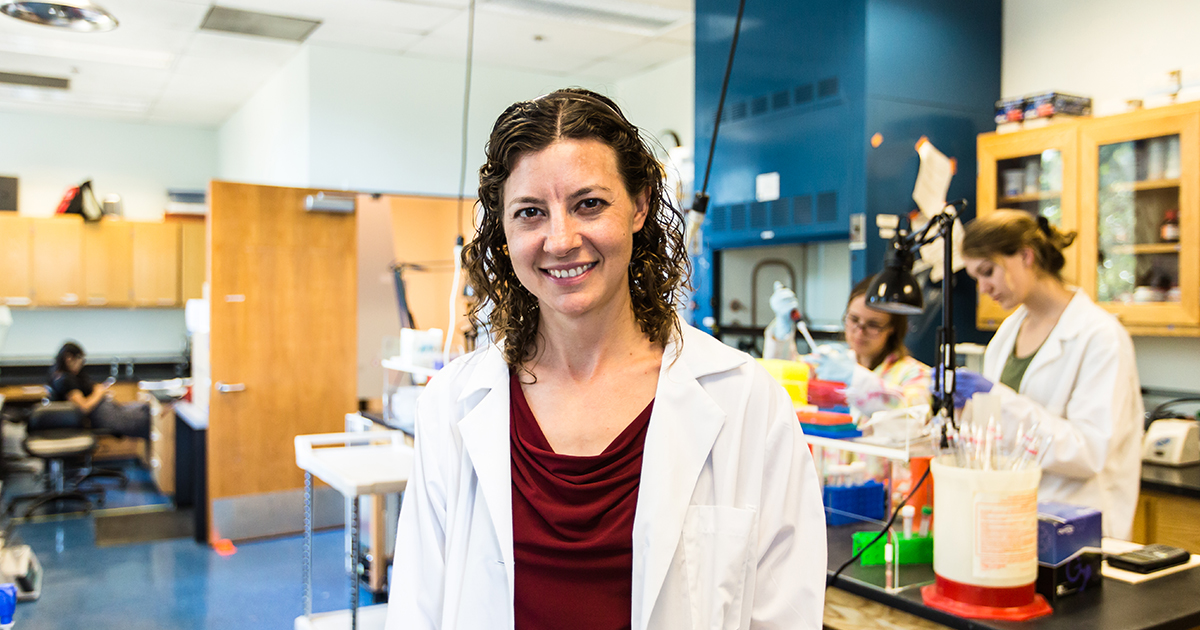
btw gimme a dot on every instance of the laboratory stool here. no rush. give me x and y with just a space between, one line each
56 435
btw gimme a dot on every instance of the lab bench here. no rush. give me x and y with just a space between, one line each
1165 603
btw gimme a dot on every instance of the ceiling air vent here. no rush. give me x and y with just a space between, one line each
34 80
282 27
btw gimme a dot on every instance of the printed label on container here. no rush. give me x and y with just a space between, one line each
1006 534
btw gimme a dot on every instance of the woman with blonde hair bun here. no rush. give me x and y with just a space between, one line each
1060 362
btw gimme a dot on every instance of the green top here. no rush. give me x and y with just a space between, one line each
1014 369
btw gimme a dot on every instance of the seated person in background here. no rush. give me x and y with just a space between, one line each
69 383
877 369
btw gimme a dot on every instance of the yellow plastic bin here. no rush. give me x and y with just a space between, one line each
793 375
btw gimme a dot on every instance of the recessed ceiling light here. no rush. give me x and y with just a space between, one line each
77 16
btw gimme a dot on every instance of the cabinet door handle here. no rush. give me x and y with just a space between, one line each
226 388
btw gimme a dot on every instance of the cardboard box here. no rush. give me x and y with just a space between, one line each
1073 575
1009 110
1064 529
1049 104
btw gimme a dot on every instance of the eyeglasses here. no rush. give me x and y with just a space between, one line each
870 329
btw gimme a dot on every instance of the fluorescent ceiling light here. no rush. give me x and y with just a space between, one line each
621 15
77 16
85 51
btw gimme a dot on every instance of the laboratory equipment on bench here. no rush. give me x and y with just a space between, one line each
354 464
1172 442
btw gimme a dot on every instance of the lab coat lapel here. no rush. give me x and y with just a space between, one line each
485 436
683 427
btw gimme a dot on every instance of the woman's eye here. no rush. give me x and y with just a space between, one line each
592 203
525 213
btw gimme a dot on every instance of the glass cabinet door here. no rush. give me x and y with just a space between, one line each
1139 183
1033 171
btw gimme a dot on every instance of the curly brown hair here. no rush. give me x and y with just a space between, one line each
659 267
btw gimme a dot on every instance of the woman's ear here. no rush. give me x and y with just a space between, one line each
1028 258
641 209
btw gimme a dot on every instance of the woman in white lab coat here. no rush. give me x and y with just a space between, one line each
1059 361
600 466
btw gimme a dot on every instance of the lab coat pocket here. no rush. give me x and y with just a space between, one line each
717 557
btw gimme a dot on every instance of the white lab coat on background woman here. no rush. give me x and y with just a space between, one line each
729 530
1082 385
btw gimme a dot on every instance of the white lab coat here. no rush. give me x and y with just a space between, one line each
1082 385
729 530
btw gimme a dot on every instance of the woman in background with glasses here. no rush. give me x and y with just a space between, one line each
877 369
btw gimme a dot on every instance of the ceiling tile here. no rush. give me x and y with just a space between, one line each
608 70
247 48
351 34
653 53
683 33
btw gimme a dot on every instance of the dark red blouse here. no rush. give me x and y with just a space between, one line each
573 526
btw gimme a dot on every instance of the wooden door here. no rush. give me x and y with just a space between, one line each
283 339
108 263
58 260
193 259
155 264
16 259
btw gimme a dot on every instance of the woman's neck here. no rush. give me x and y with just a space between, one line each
580 346
1047 299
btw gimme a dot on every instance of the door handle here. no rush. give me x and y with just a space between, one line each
226 388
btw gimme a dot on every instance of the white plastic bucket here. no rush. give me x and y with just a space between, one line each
985 532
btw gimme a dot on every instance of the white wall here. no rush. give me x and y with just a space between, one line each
267 140
383 122
1111 50
662 98
50 153
37 334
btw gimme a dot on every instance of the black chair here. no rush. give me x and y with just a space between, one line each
89 472
56 434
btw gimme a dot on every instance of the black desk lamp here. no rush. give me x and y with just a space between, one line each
895 290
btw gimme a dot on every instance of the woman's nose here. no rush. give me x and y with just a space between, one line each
564 234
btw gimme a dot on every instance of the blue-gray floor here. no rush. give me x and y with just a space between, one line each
169 584
175 584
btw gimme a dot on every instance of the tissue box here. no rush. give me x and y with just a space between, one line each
1073 575
1065 529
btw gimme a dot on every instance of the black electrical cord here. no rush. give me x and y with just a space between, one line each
832 579
700 204
462 176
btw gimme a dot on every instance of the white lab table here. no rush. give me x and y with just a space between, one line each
354 464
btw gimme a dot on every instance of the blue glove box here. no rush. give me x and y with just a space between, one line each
1064 529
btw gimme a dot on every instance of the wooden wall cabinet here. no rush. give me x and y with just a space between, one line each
58 261
155 264
108 263
16 259
1035 171
193 257
1130 186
